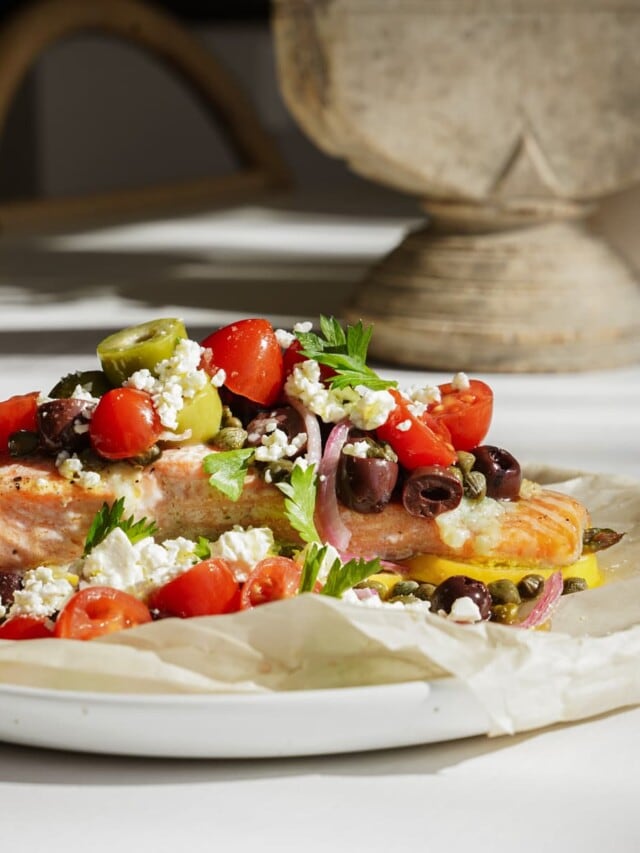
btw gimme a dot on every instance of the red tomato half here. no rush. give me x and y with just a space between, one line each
124 424
465 413
272 579
98 610
25 628
17 413
249 353
206 589
415 442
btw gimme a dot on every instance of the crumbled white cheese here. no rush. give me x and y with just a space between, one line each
404 426
71 468
304 326
44 591
3 609
176 379
460 382
136 567
275 445
420 397
284 338
81 392
244 548
219 378
305 384
358 449
472 517
463 610
371 409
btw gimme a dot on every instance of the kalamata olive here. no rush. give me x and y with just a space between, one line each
365 485
264 423
9 583
501 470
461 586
63 424
431 490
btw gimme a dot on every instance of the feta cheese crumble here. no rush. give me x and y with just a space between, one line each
45 590
463 610
460 382
71 468
275 445
244 548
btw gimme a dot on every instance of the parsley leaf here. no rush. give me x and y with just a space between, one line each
300 501
108 518
228 470
314 558
342 577
202 549
346 353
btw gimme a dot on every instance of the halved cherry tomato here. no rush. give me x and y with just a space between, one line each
98 610
272 579
25 627
249 353
413 439
206 589
466 413
16 413
124 424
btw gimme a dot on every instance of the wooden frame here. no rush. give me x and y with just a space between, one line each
23 39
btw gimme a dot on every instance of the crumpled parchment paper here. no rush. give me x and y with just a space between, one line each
587 664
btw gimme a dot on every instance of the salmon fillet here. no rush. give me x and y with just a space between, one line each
44 518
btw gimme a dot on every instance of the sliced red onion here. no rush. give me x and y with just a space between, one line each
330 525
366 592
546 603
312 428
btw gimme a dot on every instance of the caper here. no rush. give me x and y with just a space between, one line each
504 592
574 585
381 588
425 591
466 461
201 416
404 599
146 458
404 588
475 485
530 586
23 442
228 419
138 347
230 438
506 614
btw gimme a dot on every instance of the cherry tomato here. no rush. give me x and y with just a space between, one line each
414 440
465 413
98 610
124 424
25 627
293 355
272 579
249 353
17 413
206 589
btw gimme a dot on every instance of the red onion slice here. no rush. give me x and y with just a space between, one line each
312 428
546 603
330 525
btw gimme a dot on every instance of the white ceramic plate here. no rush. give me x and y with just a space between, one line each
306 722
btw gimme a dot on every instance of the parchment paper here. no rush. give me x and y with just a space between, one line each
587 664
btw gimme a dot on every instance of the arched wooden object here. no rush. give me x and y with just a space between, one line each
30 32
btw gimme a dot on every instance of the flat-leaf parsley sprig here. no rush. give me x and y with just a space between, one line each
345 352
108 518
300 501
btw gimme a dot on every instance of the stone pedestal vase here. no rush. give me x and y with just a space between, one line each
510 120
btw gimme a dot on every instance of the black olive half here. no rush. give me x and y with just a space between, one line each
461 586
63 424
365 484
430 491
501 470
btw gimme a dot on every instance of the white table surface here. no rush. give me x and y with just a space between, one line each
572 787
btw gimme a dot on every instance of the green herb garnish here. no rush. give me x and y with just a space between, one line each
109 518
228 470
345 352
344 576
203 548
313 560
300 501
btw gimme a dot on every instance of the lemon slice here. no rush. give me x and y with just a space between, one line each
428 568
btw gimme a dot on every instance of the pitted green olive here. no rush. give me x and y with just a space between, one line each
138 347
201 415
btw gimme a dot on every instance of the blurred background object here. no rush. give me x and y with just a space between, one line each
510 120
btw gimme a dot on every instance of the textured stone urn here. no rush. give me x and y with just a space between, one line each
510 120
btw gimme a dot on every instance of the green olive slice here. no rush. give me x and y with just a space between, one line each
202 415
137 347
94 382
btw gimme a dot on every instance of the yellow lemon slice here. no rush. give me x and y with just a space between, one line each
428 568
